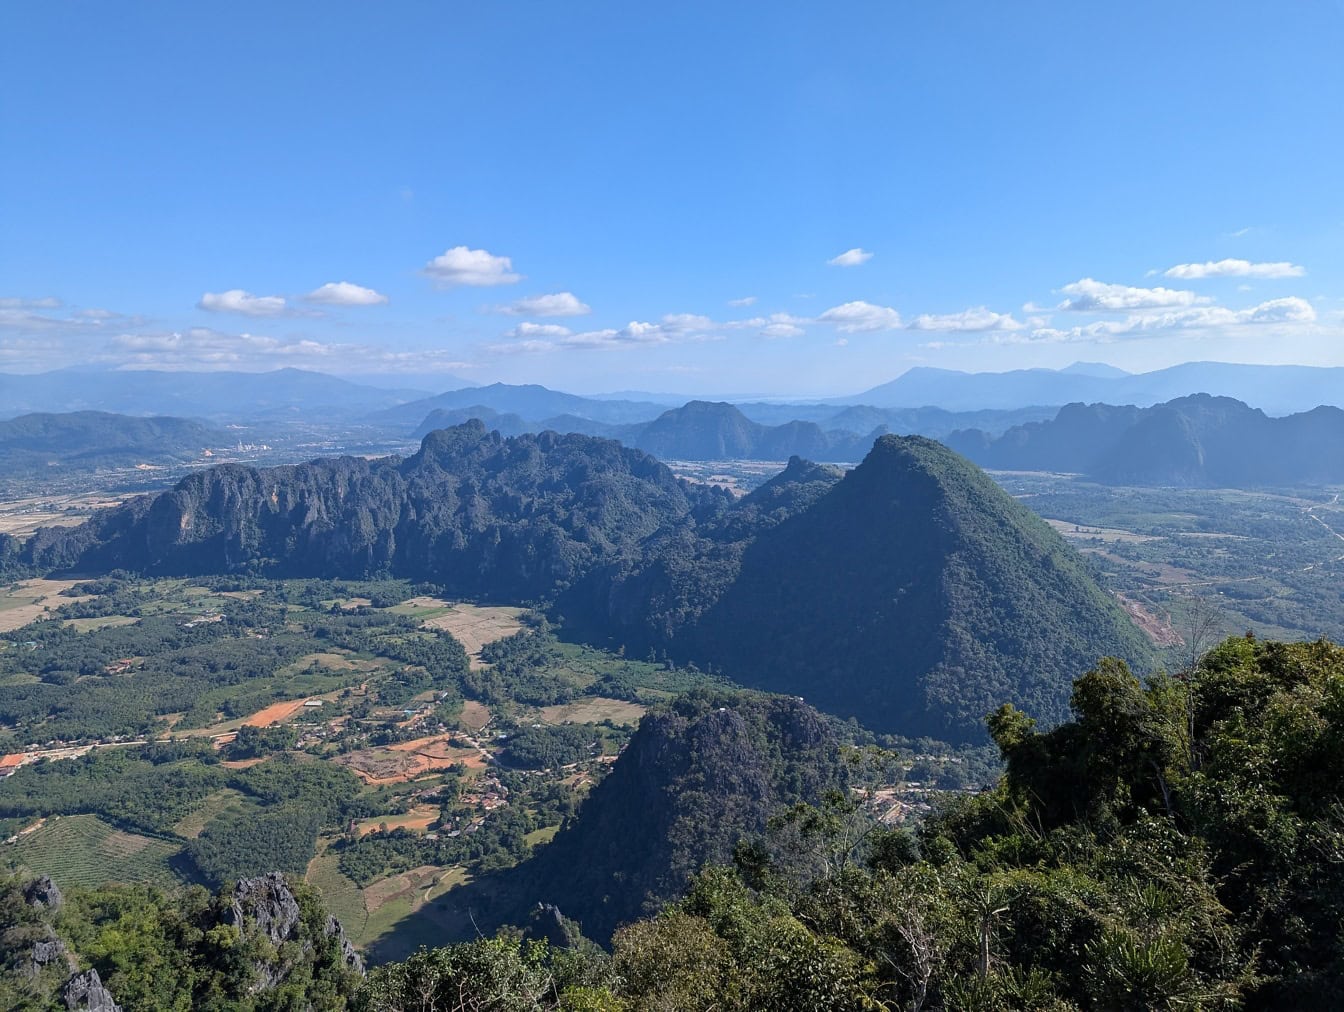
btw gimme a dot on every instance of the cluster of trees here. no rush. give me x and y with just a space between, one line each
150 789
549 746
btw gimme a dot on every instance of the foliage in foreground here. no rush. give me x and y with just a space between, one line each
1178 845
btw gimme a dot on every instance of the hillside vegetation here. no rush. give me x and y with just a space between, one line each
912 593
91 439
1175 845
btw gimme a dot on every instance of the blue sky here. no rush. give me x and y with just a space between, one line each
783 198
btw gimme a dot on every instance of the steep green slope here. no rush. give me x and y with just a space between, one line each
700 774
914 594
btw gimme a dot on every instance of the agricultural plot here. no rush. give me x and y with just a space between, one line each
1269 561
30 600
473 625
594 710
83 850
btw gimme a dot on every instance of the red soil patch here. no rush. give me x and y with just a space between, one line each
242 764
275 713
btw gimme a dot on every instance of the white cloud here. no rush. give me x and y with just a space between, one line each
1091 296
851 258
975 319
1217 319
1235 269
684 323
780 325
49 302
746 300
530 331
207 348
672 328
463 266
861 317
235 300
344 293
556 304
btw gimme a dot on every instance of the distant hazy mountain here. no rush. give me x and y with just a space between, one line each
703 430
284 393
1277 389
912 593
1198 440
861 419
93 439
527 401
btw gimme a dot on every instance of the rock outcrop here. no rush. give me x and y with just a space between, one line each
85 991
42 893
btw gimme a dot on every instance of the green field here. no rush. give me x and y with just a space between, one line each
342 897
83 850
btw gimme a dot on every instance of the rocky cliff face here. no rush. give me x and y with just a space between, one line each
267 905
277 944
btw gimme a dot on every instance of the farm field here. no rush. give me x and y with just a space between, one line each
472 625
1269 561
399 787
594 710
29 600
83 850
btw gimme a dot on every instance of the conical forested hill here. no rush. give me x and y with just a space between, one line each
703 772
914 594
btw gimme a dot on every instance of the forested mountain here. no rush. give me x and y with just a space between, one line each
1279 389
518 519
282 393
1195 441
912 592
702 772
89 439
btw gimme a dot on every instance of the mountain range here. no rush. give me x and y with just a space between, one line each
1197 440
698 430
911 592
93 439
1277 389
236 396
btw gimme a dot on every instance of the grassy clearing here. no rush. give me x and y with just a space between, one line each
226 801
83 850
418 819
102 622
594 710
474 716
473 625
29 600
342 897
540 836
